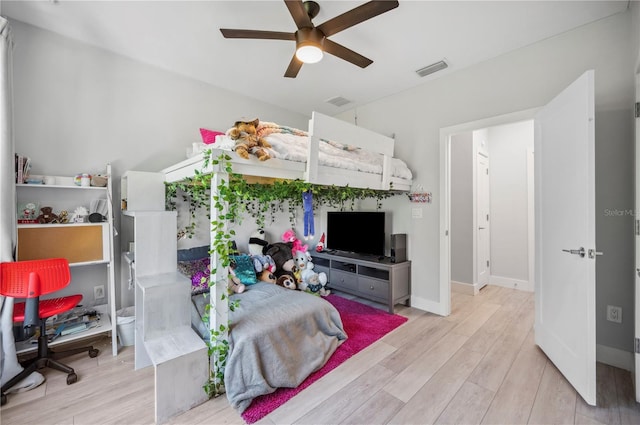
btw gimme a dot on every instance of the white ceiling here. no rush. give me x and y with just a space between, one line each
184 37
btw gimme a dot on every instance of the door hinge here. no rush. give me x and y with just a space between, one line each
637 227
637 345
637 109
487 263
487 171
487 217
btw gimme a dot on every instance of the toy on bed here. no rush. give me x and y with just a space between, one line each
289 236
263 262
280 252
310 281
247 141
258 243
287 281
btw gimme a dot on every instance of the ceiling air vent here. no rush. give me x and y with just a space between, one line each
430 69
338 101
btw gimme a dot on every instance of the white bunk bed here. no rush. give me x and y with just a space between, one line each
321 129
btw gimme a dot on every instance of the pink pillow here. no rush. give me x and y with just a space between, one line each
209 136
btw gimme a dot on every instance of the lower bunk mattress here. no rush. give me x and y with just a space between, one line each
277 338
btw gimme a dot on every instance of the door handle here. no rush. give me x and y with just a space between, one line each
593 253
480 228
580 252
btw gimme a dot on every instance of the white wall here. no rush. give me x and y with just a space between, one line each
77 107
524 79
462 194
509 203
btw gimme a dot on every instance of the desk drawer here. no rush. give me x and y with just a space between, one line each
343 280
374 288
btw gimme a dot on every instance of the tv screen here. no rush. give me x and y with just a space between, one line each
360 232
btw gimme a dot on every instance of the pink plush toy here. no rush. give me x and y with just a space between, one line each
290 236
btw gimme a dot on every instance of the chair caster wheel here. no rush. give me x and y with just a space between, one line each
72 378
93 352
4 400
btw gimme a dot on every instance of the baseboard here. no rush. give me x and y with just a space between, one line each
465 288
427 305
507 282
615 357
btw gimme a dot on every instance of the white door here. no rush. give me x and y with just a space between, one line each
565 234
483 249
637 232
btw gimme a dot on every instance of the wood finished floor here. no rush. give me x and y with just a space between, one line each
478 366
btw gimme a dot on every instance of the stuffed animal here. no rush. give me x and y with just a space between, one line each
263 262
310 281
290 236
47 216
258 243
316 285
286 281
63 217
266 276
280 252
234 286
247 140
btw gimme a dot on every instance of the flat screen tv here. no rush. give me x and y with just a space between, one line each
360 232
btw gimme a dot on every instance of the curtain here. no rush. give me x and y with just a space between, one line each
9 366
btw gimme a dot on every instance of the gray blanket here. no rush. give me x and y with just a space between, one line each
278 337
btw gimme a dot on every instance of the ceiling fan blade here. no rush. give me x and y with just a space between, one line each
356 16
299 13
267 35
347 54
294 67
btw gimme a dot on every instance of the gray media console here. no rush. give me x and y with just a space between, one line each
372 278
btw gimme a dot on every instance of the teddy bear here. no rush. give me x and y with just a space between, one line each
47 216
247 140
266 276
258 243
311 281
287 281
280 252
234 285
263 262
290 236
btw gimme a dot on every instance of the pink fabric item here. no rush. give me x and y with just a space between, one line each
363 324
209 136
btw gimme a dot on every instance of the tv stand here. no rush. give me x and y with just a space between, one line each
366 276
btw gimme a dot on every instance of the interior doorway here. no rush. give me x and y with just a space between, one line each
509 205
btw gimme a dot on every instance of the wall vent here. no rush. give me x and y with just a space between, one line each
338 101
430 69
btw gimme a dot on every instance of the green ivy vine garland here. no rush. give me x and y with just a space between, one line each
233 199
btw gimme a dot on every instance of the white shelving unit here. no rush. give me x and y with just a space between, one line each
89 247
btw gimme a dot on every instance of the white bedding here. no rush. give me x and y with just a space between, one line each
294 148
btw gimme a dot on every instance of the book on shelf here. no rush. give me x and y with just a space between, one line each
23 167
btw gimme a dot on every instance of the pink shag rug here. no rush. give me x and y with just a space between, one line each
363 324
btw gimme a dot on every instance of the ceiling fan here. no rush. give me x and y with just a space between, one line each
312 41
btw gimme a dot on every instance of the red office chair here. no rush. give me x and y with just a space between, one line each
30 280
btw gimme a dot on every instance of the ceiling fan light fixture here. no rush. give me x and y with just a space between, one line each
309 43
309 53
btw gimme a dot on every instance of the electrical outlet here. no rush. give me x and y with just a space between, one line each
98 292
614 314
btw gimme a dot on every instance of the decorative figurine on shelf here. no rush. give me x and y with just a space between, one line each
47 216
307 206
63 217
320 246
79 215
